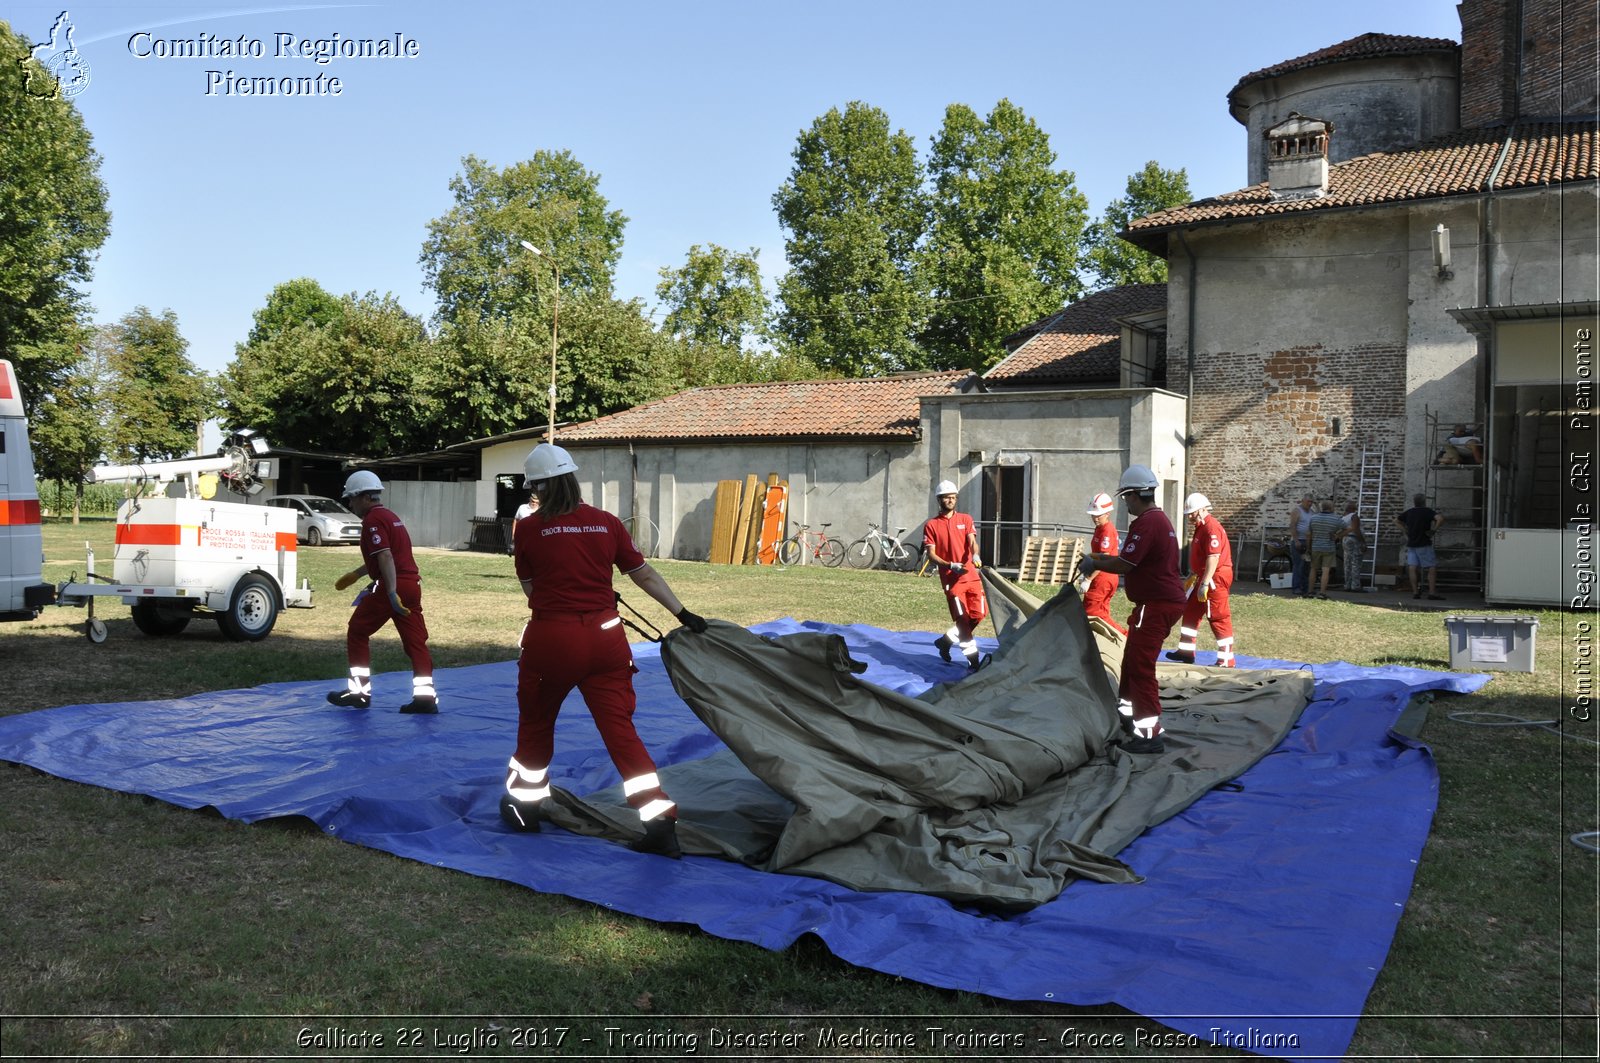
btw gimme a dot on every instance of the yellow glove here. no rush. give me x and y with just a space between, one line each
396 605
1188 585
1205 589
348 578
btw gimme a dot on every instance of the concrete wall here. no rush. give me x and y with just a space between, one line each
436 513
1375 105
1300 334
1300 321
1076 443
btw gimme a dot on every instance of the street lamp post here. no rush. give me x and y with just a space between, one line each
555 327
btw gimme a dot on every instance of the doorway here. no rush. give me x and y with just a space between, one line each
1004 522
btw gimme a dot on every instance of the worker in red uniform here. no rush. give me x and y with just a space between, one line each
1149 558
1210 577
564 555
395 593
951 539
1102 585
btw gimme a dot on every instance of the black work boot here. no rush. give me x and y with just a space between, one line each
1181 656
420 704
349 699
944 644
660 837
1144 745
520 816
974 661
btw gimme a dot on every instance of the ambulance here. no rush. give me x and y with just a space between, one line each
23 592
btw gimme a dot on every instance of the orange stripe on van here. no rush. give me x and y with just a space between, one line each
16 511
149 534
286 541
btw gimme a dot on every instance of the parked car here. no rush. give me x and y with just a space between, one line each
320 520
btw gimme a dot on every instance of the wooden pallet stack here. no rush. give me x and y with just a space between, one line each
1046 560
745 516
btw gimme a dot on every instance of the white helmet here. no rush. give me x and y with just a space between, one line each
945 487
546 461
1195 503
1101 503
361 482
1137 478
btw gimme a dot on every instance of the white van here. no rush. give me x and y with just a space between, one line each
23 592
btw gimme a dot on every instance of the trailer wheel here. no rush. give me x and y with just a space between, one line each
96 631
160 619
253 610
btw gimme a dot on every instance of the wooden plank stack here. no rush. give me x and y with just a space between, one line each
736 523
1046 560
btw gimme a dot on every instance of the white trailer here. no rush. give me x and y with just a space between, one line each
180 556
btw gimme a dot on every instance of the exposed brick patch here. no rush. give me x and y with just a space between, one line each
1263 426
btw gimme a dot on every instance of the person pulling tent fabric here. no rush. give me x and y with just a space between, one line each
1149 559
952 541
574 637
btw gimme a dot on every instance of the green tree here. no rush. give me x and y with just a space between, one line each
1003 243
53 218
346 386
154 397
473 256
715 297
852 211
301 301
718 311
68 428
610 357
485 377
1111 259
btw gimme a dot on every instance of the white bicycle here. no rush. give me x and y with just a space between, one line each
878 549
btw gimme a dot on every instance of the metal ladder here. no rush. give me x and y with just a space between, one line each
1369 507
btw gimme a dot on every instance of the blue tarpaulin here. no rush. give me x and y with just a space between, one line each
1266 910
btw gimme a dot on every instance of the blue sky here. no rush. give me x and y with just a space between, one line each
688 112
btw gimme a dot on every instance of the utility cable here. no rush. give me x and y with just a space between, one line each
1583 839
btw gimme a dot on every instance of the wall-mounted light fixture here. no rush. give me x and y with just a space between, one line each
1441 251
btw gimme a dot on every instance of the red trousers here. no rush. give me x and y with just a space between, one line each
589 651
1215 611
1148 627
968 607
1097 599
374 612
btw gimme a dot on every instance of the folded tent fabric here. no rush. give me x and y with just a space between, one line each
995 791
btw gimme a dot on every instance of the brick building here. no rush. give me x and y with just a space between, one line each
1350 303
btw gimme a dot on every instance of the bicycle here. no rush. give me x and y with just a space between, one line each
642 530
878 549
794 549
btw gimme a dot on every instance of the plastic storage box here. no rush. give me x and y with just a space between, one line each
1492 643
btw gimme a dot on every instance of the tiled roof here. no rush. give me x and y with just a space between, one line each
1366 46
1081 343
1459 163
876 408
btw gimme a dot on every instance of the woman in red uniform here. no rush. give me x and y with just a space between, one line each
564 556
1102 585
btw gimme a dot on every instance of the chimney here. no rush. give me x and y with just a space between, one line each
1490 30
1297 157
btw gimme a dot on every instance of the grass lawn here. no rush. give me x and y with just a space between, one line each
165 932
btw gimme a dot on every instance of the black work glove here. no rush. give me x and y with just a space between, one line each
693 621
